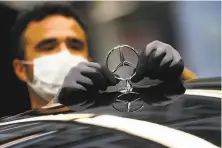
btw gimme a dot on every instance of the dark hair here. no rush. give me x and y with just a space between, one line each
38 13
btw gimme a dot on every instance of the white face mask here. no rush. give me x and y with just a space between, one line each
50 72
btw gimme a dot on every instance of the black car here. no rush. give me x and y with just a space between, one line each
192 121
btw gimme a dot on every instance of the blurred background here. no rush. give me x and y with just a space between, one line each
191 27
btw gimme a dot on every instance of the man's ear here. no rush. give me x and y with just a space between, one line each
20 70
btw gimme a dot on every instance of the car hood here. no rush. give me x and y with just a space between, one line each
196 112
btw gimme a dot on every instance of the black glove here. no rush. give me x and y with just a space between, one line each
82 84
159 61
162 93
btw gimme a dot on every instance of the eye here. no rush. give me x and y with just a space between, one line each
74 44
46 45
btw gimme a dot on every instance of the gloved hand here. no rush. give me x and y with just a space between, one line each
159 61
82 84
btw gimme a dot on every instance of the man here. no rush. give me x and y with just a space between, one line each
51 44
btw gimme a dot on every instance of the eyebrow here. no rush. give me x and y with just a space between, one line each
46 41
54 40
76 40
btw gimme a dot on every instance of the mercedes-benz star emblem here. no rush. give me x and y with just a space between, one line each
127 101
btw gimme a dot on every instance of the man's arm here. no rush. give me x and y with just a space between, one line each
188 75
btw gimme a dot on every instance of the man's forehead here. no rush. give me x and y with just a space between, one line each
53 27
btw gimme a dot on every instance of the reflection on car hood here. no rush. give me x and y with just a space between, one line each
140 130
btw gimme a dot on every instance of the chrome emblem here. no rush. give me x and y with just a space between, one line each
127 101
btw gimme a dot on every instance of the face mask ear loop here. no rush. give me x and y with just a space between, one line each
27 62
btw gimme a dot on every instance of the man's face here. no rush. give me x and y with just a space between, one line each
52 35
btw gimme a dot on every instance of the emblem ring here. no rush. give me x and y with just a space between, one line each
121 62
128 103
